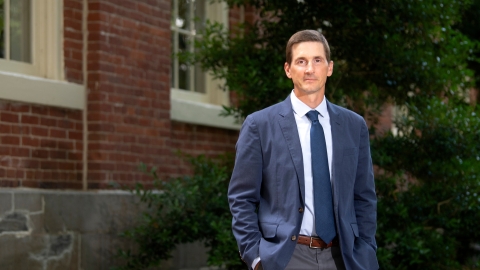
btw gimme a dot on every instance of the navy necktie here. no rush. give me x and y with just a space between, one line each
322 189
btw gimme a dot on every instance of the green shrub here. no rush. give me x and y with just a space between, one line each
429 188
185 210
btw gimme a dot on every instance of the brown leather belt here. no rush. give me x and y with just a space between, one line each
316 242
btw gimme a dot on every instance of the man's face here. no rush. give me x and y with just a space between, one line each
309 68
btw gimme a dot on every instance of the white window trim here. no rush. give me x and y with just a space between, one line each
198 113
41 91
42 82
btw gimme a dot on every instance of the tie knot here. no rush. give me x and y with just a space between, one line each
313 115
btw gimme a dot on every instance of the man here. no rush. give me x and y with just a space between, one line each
302 191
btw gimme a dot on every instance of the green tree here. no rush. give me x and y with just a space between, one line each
429 191
470 26
383 50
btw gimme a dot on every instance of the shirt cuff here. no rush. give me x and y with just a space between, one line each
255 262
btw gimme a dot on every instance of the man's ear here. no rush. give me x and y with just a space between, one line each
286 67
330 69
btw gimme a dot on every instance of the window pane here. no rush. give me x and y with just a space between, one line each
183 68
199 80
172 73
20 34
2 25
190 17
183 20
183 77
199 15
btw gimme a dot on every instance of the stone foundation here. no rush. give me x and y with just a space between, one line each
52 229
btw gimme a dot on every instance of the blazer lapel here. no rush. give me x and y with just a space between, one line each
337 132
288 126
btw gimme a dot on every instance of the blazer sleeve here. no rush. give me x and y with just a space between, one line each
244 191
365 199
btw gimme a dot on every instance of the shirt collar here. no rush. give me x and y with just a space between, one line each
301 108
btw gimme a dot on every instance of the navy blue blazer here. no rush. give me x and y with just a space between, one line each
267 190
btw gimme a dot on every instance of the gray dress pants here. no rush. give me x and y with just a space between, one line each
306 258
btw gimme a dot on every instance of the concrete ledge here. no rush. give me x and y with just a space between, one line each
201 114
36 90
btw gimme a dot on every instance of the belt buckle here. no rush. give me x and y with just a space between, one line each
310 246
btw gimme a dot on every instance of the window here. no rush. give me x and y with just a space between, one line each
195 96
30 37
15 31
188 17
31 54
16 34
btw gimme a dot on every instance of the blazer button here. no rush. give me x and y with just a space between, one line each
300 210
294 237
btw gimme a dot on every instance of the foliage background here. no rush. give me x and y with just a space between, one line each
422 57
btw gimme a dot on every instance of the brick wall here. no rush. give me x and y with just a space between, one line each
128 105
128 96
40 146
196 140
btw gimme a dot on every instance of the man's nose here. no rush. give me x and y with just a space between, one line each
309 68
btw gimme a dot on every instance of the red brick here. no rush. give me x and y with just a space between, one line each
79 146
32 164
39 131
75 115
65 124
40 153
30 119
74 156
20 129
29 141
66 145
68 43
5 129
58 154
9 117
73 35
19 108
97 16
50 122
72 4
4 150
67 166
9 183
48 143
58 112
76 15
48 165
57 133
10 140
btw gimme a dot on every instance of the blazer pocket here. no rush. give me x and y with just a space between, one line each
349 151
355 229
268 230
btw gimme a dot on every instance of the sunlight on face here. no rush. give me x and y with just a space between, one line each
309 69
